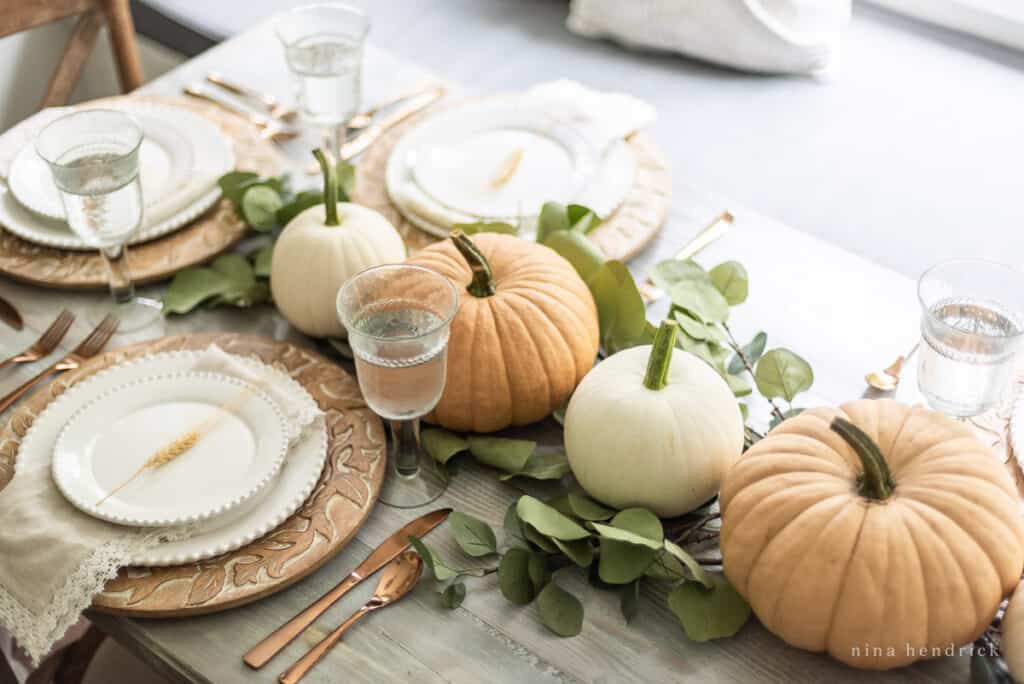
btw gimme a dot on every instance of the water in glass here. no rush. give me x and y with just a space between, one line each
329 73
101 194
967 355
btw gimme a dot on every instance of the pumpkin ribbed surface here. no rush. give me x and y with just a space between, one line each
877 583
515 356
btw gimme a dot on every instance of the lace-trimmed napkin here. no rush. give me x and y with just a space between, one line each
54 559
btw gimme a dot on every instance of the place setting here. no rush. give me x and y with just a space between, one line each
454 372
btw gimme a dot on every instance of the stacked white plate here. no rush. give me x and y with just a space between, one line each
500 159
181 157
238 482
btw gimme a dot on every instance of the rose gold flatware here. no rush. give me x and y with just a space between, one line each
888 379
46 343
364 119
10 315
270 129
714 230
277 109
399 577
88 348
260 654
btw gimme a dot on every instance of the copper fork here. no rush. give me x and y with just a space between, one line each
88 348
46 343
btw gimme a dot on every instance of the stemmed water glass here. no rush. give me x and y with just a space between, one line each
93 156
398 318
323 45
972 327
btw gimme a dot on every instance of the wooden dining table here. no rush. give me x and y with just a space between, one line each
845 315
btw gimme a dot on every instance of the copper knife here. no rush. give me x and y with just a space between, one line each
10 315
260 654
414 104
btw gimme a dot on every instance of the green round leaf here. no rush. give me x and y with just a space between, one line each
234 183
474 536
752 350
620 308
547 520
453 595
261 261
191 287
640 521
259 207
709 613
698 573
537 569
730 278
622 562
666 568
560 611
514 576
629 601
509 455
442 444
543 464
539 540
553 218
585 508
436 566
578 250
781 373
515 532
579 552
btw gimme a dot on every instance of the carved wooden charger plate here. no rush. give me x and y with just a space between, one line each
337 508
620 236
212 233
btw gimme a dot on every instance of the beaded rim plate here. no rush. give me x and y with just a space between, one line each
340 503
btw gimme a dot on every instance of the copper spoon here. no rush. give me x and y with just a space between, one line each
888 379
399 577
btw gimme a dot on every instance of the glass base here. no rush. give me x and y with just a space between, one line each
134 315
420 480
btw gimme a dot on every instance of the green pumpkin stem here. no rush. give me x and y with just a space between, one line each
482 284
330 174
876 482
656 376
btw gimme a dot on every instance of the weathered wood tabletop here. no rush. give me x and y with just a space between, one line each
845 315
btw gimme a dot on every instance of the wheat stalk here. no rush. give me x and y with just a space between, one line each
508 168
184 442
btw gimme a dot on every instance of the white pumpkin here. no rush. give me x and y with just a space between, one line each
319 250
1012 641
652 428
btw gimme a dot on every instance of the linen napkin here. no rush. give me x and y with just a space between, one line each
600 117
54 559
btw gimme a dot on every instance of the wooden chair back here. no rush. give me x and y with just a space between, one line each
21 15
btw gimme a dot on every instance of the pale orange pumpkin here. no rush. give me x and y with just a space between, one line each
524 335
877 532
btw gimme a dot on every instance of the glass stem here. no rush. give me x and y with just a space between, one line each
334 138
405 446
116 260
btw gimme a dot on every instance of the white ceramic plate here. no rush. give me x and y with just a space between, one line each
221 534
441 171
183 181
117 431
165 161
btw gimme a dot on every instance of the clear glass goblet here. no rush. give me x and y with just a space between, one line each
398 318
94 158
323 45
972 327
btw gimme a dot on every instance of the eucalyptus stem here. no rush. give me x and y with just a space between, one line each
482 284
710 561
330 174
656 376
877 482
776 411
691 531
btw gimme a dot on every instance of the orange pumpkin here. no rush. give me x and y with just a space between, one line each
524 335
878 532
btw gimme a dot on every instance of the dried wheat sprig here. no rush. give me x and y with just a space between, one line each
508 168
186 441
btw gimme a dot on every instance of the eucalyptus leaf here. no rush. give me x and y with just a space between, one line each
641 522
582 219
560 611
553 218
542 542
579 551
697 330
259 208
486 227
515 532
537 569
621 562
744 411
298 204
689 287
666 568
473 536
437 567
752 350
785 414
731 280
578 250
698 573
629 601
453 595
514 576
543 464
261 261
442 444
621 311
505 454
192 286
709 613
738 385
667 273
547 520
585 508
781 373
234 184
